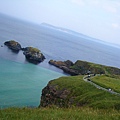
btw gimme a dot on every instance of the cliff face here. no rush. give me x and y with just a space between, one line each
52 95
74 91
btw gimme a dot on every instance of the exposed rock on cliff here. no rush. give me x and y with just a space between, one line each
52 95
13 45
33 55
74 91
65 66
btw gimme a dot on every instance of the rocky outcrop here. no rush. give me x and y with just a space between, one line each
83 67
52 95
33 55
13 45
65 66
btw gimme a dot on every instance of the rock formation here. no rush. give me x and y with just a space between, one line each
65 66
13 45
33 55
83 67
52 96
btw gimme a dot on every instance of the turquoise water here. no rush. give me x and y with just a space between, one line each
21 84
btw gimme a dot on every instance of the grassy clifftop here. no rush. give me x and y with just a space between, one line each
73 91
84 67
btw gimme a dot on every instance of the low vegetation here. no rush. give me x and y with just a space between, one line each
33 50
54 113
13 43
84 94
83 67
108 81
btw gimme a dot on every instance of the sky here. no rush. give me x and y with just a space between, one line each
96 18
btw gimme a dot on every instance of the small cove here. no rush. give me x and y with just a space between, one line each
21 84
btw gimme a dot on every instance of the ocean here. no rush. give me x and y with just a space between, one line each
21 82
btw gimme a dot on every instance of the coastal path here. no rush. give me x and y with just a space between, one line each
87 78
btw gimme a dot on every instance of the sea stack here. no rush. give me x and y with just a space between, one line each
33 55
13 45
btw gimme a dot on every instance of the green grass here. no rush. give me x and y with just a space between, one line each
83 67
108 81
74 113
85 94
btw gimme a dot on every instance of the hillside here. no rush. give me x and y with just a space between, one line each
74 91
83 67
108 81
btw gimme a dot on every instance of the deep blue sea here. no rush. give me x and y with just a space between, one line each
21 82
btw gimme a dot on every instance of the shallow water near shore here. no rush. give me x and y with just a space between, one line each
21 84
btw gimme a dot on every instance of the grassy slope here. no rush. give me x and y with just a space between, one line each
58 114
108 81
85 94
83 66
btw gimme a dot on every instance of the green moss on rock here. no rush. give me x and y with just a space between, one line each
13 45
33 55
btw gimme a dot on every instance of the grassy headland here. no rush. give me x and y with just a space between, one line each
82 93
83 67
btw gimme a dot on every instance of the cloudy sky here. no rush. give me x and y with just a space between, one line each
96 18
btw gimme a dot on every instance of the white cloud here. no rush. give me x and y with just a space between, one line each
79 2
117 3
95 2
110 8
115 25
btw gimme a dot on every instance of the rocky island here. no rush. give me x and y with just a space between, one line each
33 55
13 45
